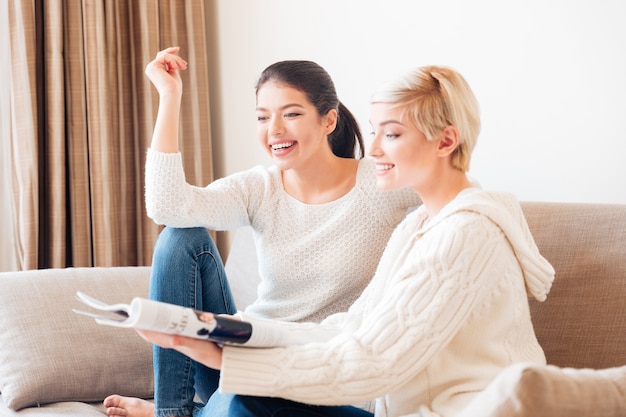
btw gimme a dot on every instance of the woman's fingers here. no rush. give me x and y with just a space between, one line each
169 50
164 69
201 351
160 339
169 59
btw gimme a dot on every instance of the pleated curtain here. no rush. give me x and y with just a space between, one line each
81 112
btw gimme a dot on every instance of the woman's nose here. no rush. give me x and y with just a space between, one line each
276 126
374 149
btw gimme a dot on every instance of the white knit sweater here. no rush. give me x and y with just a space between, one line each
445 312
314 260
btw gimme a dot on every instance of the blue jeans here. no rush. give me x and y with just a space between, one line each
186 270
243 406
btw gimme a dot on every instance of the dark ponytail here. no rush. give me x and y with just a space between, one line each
315 82
347 135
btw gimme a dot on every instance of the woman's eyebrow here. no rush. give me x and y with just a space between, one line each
286 106
388 122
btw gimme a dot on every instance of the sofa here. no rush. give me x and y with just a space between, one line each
54 362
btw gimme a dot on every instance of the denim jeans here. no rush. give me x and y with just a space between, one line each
186 270
244 406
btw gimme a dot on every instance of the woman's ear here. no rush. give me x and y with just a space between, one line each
449 141
330 121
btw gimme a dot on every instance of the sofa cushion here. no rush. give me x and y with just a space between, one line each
60 409
582 324
531 390
48 353
242 268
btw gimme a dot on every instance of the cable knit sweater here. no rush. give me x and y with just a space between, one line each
445 312
314 260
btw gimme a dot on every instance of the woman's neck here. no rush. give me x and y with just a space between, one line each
321 183
443 191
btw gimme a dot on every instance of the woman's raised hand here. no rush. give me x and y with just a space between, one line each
164 73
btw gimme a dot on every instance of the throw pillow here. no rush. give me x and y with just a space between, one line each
532 390
48 353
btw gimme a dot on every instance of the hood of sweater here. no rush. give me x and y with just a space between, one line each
504 210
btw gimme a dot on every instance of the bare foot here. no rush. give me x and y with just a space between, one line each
118 406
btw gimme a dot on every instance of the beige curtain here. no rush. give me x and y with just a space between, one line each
82 112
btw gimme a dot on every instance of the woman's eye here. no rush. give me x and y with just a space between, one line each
261 118
292 115
391 136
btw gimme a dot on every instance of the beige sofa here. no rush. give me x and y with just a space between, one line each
56 363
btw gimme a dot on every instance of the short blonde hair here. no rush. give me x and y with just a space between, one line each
436 97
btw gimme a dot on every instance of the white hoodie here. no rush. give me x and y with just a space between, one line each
446 311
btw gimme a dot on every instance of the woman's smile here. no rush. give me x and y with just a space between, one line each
282 148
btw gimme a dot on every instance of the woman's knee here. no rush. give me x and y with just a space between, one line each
173 239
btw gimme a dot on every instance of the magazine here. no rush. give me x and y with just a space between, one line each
158 316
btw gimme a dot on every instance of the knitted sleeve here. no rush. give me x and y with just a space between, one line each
224 204
407 315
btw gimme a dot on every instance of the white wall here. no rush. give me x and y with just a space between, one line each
550 76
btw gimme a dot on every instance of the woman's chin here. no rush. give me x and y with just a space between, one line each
385 184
